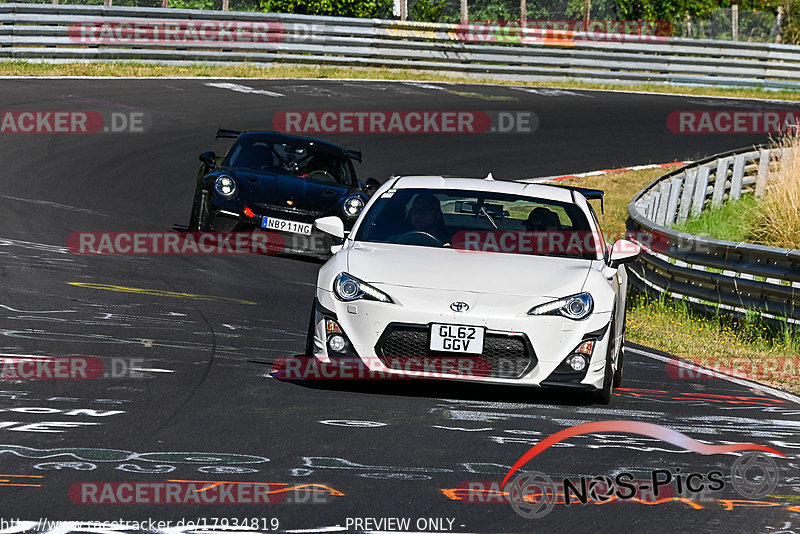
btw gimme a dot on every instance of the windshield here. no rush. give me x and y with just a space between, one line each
300 159
480 221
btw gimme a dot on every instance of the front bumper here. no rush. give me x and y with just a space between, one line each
518 350
228 218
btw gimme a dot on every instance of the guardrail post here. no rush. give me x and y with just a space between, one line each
763 173
719 182
663 198
106 3
737 178
672 204
225 5
700 190
686 196
648 207
652 205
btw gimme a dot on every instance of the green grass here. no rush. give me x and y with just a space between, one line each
731 222
111 69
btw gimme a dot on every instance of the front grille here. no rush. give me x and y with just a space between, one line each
286 212
504 356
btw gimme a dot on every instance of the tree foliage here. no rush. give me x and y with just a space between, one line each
673 10
338 8
426 10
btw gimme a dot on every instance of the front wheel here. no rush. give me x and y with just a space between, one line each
310 334
201 217
618 372
603 395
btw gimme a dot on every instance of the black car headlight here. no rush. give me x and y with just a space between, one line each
348 288
576 307
225 186
352 206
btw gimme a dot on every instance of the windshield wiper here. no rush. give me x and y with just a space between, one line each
486 213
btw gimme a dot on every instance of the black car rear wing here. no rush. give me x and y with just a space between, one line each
591 194
222 132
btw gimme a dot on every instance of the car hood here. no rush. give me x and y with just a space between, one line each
457 270
267 189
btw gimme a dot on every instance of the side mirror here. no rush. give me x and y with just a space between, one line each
371 186
331 225
623 251
209 158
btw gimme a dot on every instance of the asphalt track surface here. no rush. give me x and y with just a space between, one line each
207 336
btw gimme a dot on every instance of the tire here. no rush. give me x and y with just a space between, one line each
620 358
604 395
618 372
200 219
310 334
195 216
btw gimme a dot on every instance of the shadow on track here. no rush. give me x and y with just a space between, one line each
446 389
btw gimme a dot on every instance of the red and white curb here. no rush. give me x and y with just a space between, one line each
600 173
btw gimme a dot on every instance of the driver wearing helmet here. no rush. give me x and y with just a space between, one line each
425 217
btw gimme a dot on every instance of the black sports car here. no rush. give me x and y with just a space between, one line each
279 183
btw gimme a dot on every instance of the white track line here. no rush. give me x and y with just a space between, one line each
441 82
747 383
243 89
601 172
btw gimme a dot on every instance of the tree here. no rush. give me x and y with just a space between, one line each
337 8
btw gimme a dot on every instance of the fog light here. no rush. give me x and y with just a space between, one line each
577 362
336 343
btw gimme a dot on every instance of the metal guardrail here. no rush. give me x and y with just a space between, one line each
711 273
48 32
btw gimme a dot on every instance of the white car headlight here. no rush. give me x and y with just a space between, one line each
352 206
348 288
575 307
225 186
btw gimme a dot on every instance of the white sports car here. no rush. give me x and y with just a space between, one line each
482 280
